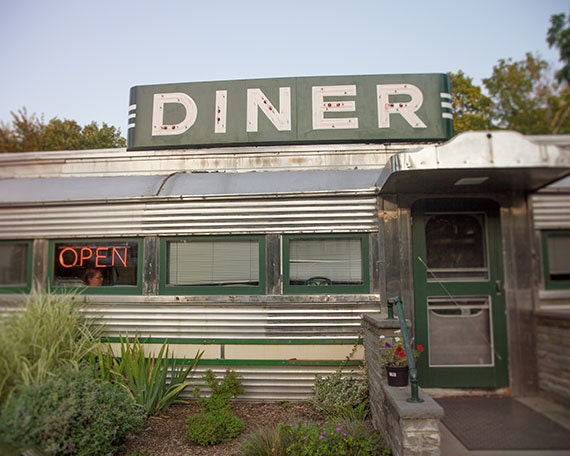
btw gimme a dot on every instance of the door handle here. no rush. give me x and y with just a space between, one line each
498 286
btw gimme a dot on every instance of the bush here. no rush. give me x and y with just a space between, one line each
73 414
216 423
340 395
146 377
50 332
335 439
268 441
214 427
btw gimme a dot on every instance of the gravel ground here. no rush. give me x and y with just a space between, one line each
165 435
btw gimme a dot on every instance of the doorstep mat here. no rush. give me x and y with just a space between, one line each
501 423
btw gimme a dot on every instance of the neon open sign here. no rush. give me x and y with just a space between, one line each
100 257
327 109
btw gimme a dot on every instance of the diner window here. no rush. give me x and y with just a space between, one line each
326 264
15 266
555 248
213 265
99 266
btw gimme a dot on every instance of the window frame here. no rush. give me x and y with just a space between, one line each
165 289
550 284
103 290
6 289
363 288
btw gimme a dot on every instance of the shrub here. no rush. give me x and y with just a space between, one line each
335 439
268 441
216 423
340 395
73 414
48 333
215 426
146 377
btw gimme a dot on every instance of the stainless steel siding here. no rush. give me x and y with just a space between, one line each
551 211
296 322
211 216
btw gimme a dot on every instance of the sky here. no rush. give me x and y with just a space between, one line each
77 60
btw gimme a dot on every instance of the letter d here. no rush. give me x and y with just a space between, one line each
158 126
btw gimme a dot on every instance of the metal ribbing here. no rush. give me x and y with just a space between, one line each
187 217
214 319
551 211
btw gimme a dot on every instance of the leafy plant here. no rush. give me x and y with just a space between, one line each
47 333
216 423
268 441
213 427
146 377
71 414
341 395
335 438
394 352
331 438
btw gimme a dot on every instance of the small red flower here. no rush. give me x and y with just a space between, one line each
420 348
400 352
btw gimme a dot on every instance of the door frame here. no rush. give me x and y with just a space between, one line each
496 375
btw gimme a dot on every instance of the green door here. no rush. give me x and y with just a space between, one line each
459 312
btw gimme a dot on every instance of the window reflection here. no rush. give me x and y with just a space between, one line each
456 247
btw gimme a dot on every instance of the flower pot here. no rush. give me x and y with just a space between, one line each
397 375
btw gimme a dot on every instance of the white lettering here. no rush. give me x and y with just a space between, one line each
221 111
406 109
280 119
158 126
322 106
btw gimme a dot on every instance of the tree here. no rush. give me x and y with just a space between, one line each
559 36
472 109
30 133
526 100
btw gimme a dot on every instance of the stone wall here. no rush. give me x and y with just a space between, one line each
411 429
553 354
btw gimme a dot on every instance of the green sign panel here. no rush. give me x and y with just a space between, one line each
308 110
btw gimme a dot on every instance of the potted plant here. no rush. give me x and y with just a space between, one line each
394 359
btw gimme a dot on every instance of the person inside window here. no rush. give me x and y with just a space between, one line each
93 277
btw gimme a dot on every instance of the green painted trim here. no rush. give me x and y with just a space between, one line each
270 362
164 289
29 262
550 284
161 340
493 376
330 289
113 290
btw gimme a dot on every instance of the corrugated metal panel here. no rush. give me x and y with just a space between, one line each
249 321
288 318
551 211
270 382
211 216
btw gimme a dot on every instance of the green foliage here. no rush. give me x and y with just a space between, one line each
268 441
72 414
558 36
49 332
30 133
215 426
520 92
146 377
216 423
471 108
332 438
341 395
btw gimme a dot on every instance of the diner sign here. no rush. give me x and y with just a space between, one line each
306 110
